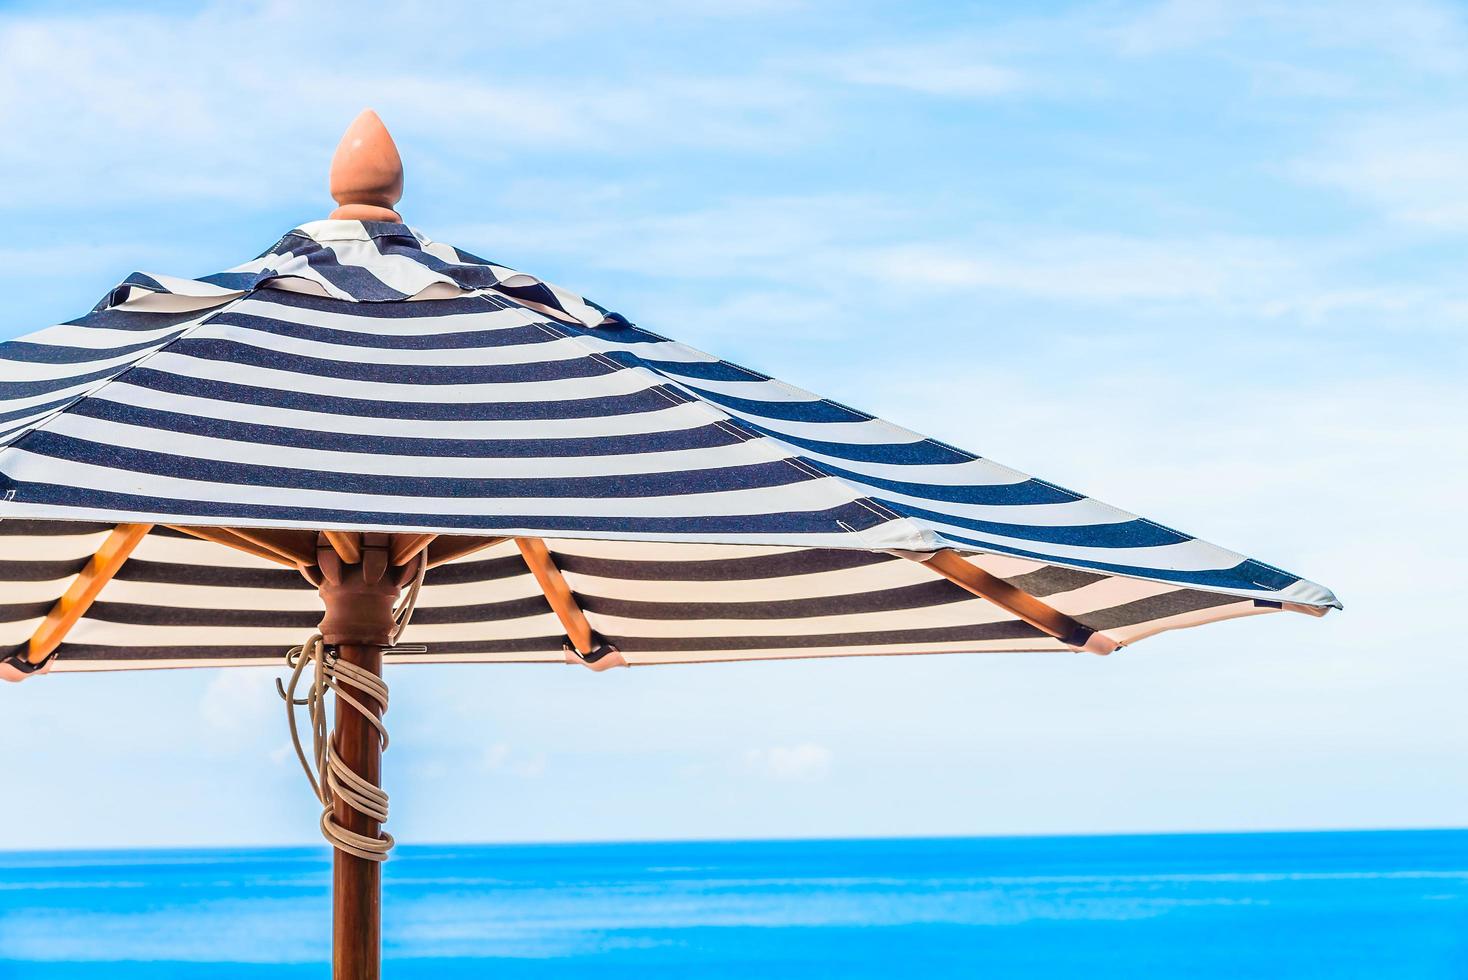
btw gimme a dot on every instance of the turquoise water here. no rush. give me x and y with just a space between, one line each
1387 904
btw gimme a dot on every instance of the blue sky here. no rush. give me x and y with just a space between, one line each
1201 260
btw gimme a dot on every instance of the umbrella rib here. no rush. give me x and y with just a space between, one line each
447 547
562 600
1017 602
406 547
347 544
298 547
83 590
282 547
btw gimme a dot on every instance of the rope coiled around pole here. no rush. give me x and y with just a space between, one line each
330 777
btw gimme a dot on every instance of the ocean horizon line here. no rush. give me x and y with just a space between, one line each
307 846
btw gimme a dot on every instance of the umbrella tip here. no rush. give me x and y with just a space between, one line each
366 173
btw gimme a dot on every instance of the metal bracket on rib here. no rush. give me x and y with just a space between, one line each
18 666
603 656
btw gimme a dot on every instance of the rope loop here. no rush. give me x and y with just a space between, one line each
330 777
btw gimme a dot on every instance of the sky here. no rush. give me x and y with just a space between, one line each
1200 260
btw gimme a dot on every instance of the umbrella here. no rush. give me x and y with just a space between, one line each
383 426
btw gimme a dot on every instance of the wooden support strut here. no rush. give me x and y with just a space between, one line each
84 589
557 593
583 638
1017 602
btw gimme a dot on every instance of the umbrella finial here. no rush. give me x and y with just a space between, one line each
367 173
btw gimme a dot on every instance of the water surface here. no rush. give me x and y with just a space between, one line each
1337 905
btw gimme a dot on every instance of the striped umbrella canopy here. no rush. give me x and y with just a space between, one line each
358 376
560 484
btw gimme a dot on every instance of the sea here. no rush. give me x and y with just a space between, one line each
1388 904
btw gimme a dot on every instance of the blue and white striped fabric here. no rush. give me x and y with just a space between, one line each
360 376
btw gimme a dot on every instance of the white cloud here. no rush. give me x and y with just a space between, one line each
1104 268
944 68
1277 80
804 762
1419 35
1175 24
773 239
1411 167
242 703
500 757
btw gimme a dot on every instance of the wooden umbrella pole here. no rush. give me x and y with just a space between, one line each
359 599
357 882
